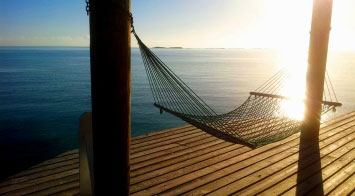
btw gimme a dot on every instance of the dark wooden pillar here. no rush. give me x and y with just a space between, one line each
111 89
317 59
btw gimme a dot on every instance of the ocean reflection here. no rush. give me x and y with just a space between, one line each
294 84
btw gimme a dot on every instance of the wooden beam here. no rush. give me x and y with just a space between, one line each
317 59
110 58
329 103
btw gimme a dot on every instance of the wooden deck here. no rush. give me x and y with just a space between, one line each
187 161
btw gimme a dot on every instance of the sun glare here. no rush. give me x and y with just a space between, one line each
287 23
291 25
294 85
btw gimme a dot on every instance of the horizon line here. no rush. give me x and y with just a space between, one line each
179 48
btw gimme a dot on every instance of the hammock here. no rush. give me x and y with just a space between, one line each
258 121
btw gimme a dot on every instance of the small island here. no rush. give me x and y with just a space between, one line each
161 47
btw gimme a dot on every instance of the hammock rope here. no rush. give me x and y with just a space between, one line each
258 121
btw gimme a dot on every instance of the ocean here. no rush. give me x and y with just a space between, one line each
44 90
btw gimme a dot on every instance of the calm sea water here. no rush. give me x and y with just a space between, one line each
44 90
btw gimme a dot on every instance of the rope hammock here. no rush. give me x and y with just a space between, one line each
258 121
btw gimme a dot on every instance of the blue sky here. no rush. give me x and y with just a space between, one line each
43 22
186 23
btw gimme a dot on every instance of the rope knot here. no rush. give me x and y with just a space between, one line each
131 19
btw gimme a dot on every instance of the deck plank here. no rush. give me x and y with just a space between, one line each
71 191
37 184
33 176
336 179
287 177
75 151
165 140
199 177
308 185
199 147
346 188
57 160
179 149
265 176
181 168
165 148
220 178
160 134
46 167
160 144
186 160
197 174
181 161
61 189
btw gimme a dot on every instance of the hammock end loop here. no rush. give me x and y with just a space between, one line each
131 21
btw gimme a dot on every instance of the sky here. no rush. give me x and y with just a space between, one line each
279 24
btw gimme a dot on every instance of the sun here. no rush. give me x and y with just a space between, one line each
294 86
289 24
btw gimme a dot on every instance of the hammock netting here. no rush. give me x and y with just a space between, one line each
260 120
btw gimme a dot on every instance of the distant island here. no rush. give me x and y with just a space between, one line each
177 47
161 47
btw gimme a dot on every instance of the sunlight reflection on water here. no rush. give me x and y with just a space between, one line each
294 85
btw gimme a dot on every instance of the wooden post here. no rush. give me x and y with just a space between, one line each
110 89
86 168
317 58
